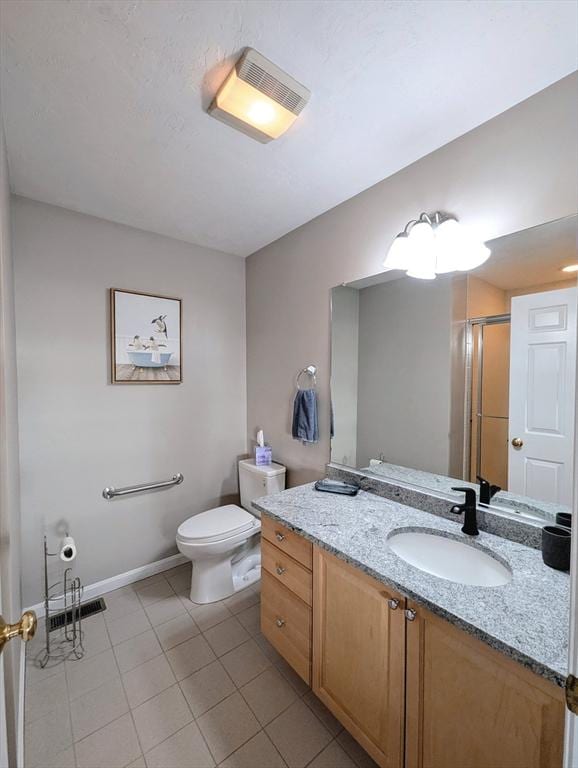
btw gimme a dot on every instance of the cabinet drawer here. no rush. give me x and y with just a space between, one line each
289 542
286 570
286 623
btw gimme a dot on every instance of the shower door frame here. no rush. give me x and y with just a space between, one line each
471 324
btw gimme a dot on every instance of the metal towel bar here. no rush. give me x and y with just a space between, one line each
110 493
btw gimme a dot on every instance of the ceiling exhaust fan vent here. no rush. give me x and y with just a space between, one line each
258 98
267 78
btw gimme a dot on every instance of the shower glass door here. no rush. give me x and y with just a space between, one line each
489 412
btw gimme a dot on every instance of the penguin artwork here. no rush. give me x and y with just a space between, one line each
155 353
161 326
137 343
153 344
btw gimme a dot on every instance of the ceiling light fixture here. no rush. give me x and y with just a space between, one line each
570 268
434 245
258 98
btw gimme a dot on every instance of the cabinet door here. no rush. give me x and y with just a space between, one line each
358 656
469 706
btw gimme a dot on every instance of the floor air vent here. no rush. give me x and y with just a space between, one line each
86 609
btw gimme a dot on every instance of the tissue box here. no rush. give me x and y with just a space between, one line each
263 456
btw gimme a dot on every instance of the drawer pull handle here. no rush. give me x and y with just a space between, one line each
410 614
279 536
280 623
393 603
280 570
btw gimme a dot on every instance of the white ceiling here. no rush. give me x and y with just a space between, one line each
104 101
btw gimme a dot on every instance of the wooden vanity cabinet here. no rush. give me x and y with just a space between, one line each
359 655
418 692
469 706
413 689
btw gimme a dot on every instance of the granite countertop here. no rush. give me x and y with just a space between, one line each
526 619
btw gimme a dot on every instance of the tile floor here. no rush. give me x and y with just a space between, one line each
166 683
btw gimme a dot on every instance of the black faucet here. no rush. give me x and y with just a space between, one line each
487 490
469 509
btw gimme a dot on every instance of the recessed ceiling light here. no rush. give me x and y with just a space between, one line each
570 268
258 98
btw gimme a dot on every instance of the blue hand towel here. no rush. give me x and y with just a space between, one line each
305 426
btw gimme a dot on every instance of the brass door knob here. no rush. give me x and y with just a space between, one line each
517 442
26 628
280 623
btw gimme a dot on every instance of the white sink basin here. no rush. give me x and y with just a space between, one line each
449 559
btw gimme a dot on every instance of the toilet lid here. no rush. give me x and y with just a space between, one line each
216 524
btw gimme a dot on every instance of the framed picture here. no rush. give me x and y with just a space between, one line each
146 343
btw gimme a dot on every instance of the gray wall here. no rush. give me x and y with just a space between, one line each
344 353
9 463
78 433
515 171
405 373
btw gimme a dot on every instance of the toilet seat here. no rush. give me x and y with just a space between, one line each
217 524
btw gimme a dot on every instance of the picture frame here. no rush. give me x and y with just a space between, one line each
145 338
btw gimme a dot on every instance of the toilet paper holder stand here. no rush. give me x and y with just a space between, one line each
63 598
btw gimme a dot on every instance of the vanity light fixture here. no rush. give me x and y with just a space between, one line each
258 98
570 268
434 245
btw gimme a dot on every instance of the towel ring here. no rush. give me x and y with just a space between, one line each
311 370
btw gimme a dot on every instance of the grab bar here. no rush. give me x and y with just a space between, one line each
110 493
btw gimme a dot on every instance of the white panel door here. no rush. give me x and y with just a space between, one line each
542 395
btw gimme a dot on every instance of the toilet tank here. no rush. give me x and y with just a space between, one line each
255 482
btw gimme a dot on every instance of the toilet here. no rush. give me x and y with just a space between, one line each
224 543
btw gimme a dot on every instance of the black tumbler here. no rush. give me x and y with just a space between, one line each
556 547
564 518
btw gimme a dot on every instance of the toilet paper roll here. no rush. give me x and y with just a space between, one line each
68 549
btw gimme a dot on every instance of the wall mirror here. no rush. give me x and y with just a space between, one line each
469 375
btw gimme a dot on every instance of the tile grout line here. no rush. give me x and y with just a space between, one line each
177 683
194 720
162 624
334 739
69 707
253 711
127 701
198 726
263 727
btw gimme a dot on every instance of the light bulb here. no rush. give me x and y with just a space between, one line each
397 256
457 249
473 254
447 253
261 113
422 252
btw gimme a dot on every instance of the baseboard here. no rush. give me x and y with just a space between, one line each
116 582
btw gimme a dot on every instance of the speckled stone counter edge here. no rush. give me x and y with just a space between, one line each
520 531
515 654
